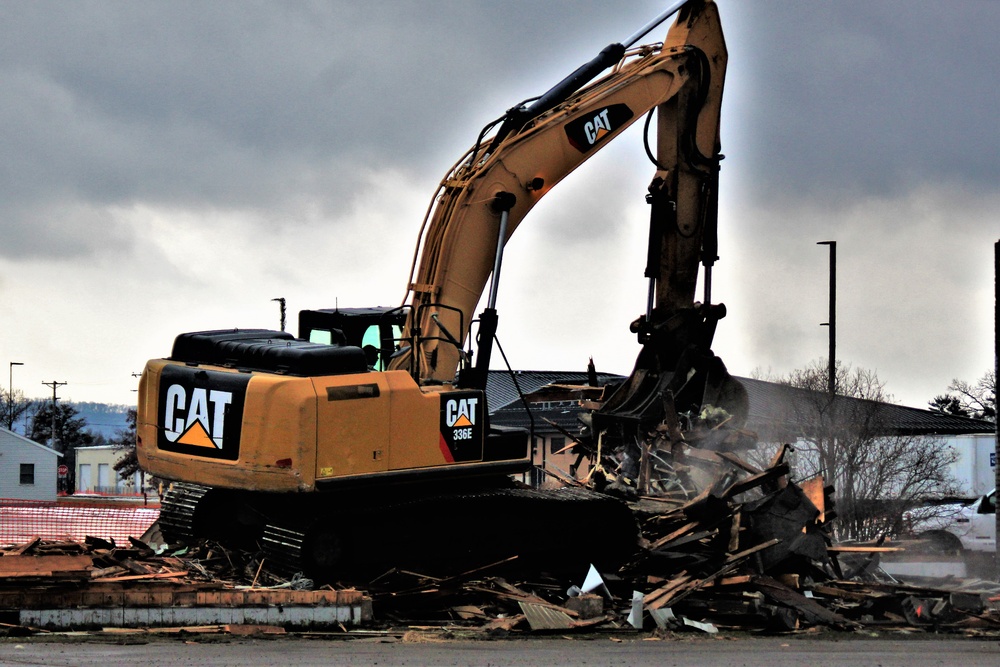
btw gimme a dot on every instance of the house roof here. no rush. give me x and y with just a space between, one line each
10 434
780 410
501 390
777 412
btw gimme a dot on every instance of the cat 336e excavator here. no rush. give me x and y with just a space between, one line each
365 441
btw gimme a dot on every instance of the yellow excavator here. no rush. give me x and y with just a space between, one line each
365 440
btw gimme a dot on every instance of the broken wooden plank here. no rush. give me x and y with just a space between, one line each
739 463
25 548
811 610
772 474
660 596
666 539
752 550
46 566
521 597
102 572
146 577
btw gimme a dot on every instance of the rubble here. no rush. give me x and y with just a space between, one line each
71 585
750 552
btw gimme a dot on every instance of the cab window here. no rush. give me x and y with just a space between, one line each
321 336
371 343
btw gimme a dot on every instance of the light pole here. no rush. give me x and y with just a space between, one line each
10 395
832 323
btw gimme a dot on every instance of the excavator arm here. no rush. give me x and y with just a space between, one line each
496 183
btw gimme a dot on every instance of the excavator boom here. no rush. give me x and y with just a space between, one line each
537 146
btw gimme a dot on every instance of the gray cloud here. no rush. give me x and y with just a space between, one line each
239 104
183 158
857 98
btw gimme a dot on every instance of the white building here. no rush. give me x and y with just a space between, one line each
28 470
976 463
95 472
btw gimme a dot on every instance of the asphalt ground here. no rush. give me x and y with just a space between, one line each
793 651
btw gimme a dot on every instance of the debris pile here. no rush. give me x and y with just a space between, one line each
46 584
750 552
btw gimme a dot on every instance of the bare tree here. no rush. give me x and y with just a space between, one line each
12 407
977 400
850 440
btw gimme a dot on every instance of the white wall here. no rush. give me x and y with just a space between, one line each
975 468
15 450
95 471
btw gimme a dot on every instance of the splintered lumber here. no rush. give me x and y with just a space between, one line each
739 463
811 610
146 577
833 591
682 539
675 593
514 594
752 550
770 475
26 547
663 595
667 539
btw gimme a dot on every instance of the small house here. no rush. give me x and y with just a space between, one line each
28 470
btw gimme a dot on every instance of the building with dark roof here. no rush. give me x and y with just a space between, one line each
778 413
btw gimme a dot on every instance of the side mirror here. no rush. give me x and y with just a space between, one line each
988 504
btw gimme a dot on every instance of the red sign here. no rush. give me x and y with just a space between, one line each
63 470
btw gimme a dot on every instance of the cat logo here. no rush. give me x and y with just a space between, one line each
201 412
591 130
461 412
200 424
597 128
461 426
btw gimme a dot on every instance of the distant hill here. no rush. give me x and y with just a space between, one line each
103 418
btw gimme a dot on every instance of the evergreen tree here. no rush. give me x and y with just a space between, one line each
70 433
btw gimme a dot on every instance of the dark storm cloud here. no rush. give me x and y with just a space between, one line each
857 98
245 105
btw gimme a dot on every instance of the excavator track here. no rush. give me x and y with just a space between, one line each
441 534
177 511
344 536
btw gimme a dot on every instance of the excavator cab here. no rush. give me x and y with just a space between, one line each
374 330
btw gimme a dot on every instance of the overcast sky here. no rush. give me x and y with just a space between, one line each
173 166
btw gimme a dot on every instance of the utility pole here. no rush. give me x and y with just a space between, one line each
996 405
832 322
55 385
10 395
